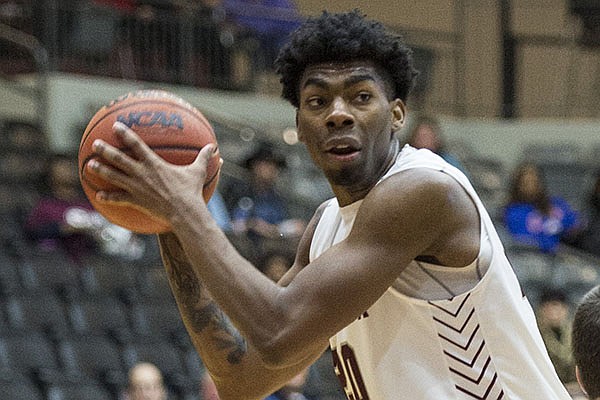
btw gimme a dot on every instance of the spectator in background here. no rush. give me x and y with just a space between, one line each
145 382
426 133
256 206
586 343
63 219
54 222
533 216
554 320
589 240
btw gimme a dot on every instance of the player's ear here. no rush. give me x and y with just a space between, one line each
398 114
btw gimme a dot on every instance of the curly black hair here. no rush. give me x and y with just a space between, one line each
344 37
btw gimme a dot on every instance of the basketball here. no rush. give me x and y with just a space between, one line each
170 126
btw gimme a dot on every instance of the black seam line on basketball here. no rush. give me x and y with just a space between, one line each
156 102
212 178
82 171
171 147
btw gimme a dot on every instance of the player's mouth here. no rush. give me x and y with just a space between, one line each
343 150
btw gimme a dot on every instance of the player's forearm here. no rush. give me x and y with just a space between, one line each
218 342
237 368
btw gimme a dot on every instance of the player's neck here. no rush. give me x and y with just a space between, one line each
347 195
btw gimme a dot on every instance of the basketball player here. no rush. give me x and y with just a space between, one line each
586 343
402 273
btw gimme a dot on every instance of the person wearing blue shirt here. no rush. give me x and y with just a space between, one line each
532 216
256 206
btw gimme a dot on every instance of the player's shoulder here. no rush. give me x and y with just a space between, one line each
418 180
416 190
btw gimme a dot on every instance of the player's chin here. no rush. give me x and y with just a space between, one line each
343 176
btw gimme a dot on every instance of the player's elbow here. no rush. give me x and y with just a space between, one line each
275 352
291 338
285 350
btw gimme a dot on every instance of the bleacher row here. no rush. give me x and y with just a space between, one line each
72 332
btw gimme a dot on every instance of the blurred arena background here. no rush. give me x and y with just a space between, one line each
508 80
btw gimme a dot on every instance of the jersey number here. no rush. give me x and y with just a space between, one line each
346 369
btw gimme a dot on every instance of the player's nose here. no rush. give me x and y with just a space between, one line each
339 115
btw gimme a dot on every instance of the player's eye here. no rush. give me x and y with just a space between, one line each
315 102
363 97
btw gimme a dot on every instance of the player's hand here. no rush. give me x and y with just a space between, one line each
144 178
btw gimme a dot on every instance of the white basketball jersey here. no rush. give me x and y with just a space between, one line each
482 343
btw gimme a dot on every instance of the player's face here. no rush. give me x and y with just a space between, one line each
347 122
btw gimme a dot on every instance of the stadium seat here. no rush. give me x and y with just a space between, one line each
33 354
156 319
44 314
571 180
77 391
51 270
20 390
99 316
10 282
93 357
153 285
105 276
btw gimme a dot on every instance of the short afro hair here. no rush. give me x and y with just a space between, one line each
344 37
586 341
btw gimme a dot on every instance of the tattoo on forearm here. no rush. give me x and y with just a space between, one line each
197 307
224 335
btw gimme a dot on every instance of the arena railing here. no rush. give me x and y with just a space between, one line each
189 47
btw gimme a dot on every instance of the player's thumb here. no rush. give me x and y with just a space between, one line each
204 156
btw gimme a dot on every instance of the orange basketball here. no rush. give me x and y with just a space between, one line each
171 127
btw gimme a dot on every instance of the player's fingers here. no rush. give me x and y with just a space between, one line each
139 149
110 174
113 197
113 156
